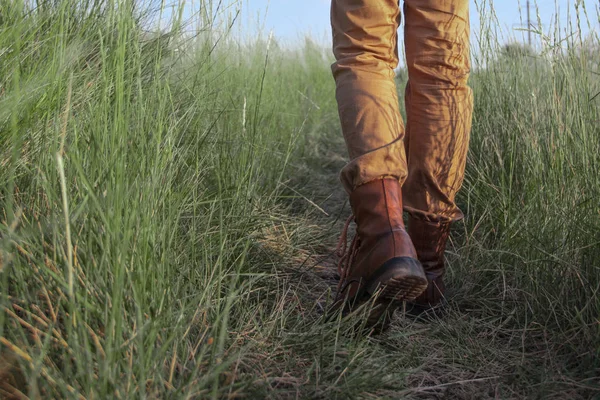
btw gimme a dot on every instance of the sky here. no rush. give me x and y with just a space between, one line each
291 20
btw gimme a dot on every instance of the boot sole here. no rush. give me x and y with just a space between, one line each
395 291
399 279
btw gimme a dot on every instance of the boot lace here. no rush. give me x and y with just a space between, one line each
345 253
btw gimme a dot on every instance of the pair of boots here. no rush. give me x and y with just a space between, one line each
386 258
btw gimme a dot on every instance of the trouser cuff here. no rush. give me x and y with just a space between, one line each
433 218
384 162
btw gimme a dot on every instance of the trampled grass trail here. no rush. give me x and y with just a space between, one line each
169 207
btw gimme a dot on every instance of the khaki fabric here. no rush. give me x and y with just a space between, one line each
427 155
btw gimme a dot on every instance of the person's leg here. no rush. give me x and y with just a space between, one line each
366 51
439 108
382 255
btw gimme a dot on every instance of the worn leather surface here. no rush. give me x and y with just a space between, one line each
428 155
429 239
377 208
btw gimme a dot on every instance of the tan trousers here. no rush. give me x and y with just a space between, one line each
428 155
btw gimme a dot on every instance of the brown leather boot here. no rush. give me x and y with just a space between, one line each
429 239
382 256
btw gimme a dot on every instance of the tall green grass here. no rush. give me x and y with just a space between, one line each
126 276
533 190
160 200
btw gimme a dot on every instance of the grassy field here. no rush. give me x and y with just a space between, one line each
169 207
